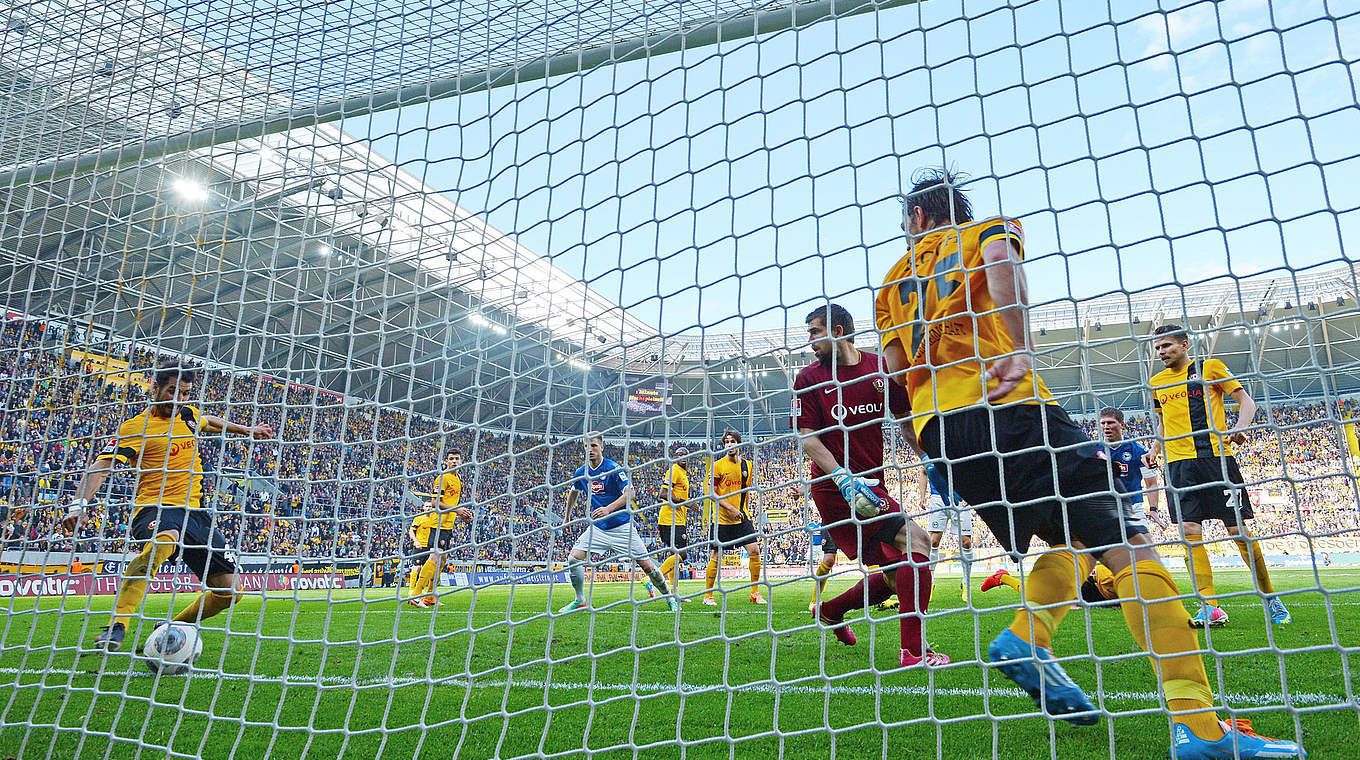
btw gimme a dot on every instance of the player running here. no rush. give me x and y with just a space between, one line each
952 316
841 402
1205 481
168 515
432 530
608 493
671 519
732 527
942 514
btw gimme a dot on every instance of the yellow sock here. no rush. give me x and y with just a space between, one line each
1010 580
206 605
668 569
1168 629
428 571
1256 560
755 573
819 576
1201 572
711 574
135 575
412 579
1053 585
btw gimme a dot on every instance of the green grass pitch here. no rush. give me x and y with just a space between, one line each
492 676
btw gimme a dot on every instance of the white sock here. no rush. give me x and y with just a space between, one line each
578 582
967 565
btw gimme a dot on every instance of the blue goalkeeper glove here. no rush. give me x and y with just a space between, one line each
858 492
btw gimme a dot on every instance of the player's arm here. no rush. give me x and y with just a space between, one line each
615 505
90 483
1245 414
857 491
212 424
1155 446
1008 289
895 361
571 504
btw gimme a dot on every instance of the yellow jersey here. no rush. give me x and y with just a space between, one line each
729 478
1190 404
677 487
165 452
449 491
934 302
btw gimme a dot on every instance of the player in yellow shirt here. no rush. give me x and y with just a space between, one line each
1206 483
168 514
732 528
952 315
432 530
671 519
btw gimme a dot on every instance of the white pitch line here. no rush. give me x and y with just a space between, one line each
1238 699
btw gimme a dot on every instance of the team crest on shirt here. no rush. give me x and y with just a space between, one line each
880 384
597 486
796 407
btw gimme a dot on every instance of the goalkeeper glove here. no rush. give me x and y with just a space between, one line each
858 492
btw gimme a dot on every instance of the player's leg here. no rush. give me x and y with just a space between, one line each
576 570
754 564
206 554
429 570
913 580
964 520
630 544
160 530
668 535
714 561
824 568
1189 504
1237 511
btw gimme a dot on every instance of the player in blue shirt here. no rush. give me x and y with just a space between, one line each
605 486
944 512
1131 476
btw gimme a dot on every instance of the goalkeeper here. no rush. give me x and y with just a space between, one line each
840 404
162 443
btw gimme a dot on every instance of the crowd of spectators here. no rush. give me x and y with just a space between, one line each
344 478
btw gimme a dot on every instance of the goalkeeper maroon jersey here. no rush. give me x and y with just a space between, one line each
848 411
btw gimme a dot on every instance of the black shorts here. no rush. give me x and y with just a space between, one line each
202 547
1010 480
673 536
740 534
1092 595
1207 489
441 539
829 543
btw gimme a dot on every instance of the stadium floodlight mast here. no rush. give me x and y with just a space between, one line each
711 31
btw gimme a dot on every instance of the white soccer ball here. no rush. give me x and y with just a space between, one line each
172 648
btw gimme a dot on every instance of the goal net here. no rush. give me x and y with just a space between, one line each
380 234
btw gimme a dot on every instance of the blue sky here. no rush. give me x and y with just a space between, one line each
727 188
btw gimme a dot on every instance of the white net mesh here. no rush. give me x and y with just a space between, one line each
391 231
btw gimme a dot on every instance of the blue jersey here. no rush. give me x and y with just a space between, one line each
1127 459
816 529
603 486
939 485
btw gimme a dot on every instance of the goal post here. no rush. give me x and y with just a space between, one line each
391 348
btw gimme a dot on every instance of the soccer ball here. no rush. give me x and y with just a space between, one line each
172 648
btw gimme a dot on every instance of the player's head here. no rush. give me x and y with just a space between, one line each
731 440
681 453
172 386
826 326
1112 424
1172 344
935 200
595 447
453 458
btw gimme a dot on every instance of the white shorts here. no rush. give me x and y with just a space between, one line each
942 514
622 540
1134 514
